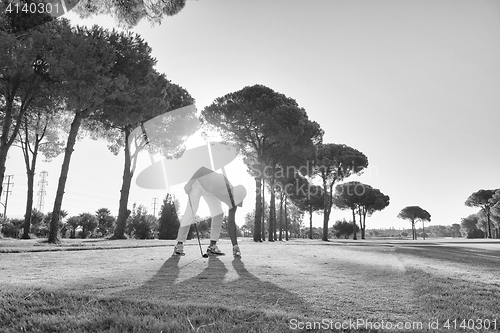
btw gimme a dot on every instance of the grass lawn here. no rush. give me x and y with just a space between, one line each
9 245
300 285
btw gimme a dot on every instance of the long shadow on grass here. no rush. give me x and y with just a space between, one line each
210 287
464 255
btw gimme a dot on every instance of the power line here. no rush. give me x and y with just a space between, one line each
91 188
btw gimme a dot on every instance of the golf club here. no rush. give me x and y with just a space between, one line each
204 255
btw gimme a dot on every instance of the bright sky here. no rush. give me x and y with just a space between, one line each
414 85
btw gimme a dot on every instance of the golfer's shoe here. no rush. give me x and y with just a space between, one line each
236 251
179 250
214 251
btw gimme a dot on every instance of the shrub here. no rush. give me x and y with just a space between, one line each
10 230
106 222
89 223
72 223
11 227
344 229
140 224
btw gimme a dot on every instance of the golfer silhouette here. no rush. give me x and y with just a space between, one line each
215 190
194 166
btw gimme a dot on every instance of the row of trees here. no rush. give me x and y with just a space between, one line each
483 224
102 223
289 223
284 152
454 230
60 80
344 229
362 199
57 80
486 222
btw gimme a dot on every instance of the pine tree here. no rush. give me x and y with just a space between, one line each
169 220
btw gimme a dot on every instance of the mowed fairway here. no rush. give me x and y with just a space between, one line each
276 286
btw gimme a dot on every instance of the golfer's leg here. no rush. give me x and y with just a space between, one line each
186 221
231 226
217 214
187 218
216 228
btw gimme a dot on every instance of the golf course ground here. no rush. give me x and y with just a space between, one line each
302 285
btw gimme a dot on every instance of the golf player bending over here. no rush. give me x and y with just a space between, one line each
215 189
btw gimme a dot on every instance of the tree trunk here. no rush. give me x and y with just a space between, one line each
4 146
423 230
258 210
30 172
310 222
275 223
326 215
325 226
354 236
281 218
489 224
286 223
123 212
361 222
29 201
73 132
363 232
5 141
272 211
3 160
263 207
